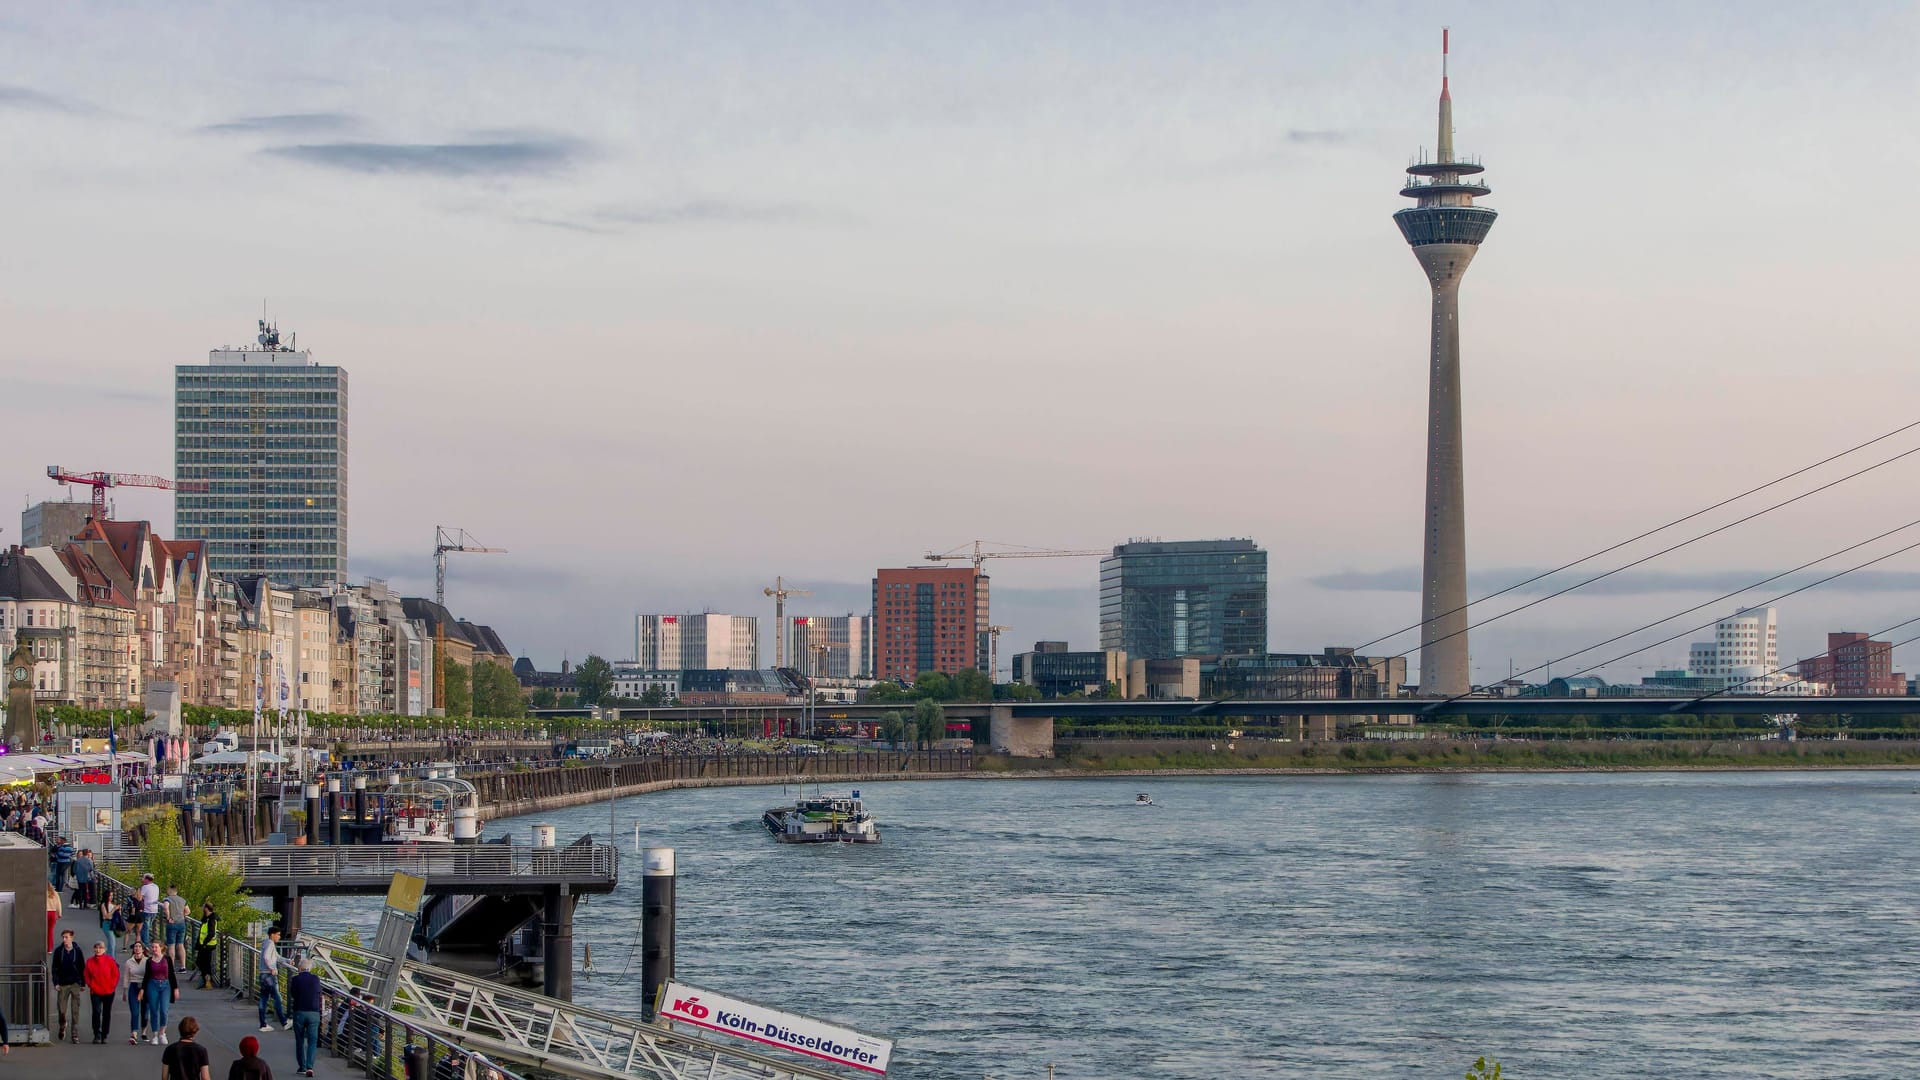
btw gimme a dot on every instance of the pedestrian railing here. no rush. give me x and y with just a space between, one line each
275 864
25 995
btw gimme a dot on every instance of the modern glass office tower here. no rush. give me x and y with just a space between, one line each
266 428
1165 599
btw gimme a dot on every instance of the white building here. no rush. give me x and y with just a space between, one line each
632 682
831 646
694 642
1744 657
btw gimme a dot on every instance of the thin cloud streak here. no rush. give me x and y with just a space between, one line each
284 124
1407 580
517 157
26 98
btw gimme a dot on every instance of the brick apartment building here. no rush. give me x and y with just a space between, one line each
1855 665
929 618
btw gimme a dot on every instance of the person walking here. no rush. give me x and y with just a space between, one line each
209 941
136 966
69 966
186 1059
269 988
250 1065
83 876
54 907
103 982
175 909
304 990
149 910
61 856
163 989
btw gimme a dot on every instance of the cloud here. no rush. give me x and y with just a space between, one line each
1323 138
21 97
506 157
75 394
284 124
1633 583
691 212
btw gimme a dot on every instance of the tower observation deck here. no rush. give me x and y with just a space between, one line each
1445 229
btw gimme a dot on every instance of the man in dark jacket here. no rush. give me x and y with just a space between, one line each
61 855
304 990
69 978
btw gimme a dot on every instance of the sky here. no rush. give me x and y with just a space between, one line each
669 299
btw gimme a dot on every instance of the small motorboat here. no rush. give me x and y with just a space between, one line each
1143 799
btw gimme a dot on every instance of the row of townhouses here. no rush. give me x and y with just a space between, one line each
116 616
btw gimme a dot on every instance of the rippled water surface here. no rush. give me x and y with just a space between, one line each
1571 925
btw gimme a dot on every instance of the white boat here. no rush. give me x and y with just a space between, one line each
1143 799
437 811
830 819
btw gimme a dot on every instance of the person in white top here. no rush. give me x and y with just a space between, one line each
149 908
269 989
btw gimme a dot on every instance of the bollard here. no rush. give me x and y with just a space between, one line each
656 927
359 809
312 793
333 810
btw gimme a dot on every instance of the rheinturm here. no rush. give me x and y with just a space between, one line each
1445 229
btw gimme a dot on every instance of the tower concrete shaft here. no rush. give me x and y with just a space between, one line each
1445 229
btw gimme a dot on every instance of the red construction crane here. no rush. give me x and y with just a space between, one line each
101 481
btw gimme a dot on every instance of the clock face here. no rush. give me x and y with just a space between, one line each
19 674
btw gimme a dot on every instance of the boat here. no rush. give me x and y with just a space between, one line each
441 810
1143 799
827 819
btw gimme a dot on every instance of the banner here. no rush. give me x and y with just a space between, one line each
731 1016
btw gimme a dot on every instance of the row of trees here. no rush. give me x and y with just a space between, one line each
925 725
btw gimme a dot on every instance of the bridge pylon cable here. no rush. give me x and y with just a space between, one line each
1777 481
1696 629
1670 549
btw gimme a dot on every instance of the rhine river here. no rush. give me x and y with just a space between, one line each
1570 925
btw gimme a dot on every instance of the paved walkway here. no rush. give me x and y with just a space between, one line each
223 1023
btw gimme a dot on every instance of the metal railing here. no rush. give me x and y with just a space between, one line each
26 996
269 864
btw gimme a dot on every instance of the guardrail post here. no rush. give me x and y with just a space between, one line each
556 942
656 925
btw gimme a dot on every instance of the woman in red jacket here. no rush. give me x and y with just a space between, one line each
103 983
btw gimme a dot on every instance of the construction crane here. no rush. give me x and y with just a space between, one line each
779 591
445 540
980 555
101 481
993 651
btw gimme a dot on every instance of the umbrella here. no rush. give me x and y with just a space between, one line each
238 757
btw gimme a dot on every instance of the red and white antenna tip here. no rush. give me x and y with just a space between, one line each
1445 33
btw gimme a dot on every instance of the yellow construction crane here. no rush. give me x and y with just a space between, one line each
993 651
779 591
980 554
445 540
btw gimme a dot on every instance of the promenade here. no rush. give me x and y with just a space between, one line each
223 1023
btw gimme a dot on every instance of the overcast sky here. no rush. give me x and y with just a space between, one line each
669 299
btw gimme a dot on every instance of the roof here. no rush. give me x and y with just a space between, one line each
23 578
486 639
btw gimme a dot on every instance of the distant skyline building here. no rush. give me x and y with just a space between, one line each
1855 665
703 641
929 618
831 646
266 429
1161 600
1444 229
50 524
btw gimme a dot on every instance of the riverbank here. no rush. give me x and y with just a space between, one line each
531 793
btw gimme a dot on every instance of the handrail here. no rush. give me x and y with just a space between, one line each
267 864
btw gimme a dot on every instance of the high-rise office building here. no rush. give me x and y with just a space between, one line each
831 646
51 524
696 642
1160 600
929 618
1445 230
266 429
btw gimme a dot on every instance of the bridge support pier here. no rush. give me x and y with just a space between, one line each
1020 736
556 942
286 910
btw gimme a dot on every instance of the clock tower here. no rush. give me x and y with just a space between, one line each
22 734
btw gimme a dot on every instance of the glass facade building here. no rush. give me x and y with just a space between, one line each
1165 599
266 429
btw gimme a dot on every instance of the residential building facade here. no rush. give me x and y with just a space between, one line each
1165 599
1855 665
929 618
265 429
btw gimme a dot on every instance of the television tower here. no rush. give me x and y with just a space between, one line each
1445 229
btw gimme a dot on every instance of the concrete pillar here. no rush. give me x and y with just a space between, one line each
286 911
359 808
333 810
312 793
556 942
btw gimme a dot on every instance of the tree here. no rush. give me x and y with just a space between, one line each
593 679
933 684
545 698
929 722
888 691
893 728
654 697
496 692
1017 691
972 684
457 686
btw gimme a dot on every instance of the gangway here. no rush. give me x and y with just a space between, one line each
541 1032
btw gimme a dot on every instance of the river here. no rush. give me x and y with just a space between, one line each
1570 924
